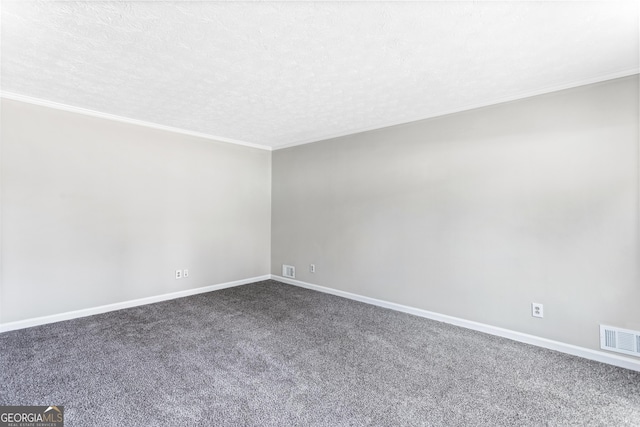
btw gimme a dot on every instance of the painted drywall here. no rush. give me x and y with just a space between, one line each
97 212
478 214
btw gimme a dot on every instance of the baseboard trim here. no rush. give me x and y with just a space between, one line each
28 323
573 350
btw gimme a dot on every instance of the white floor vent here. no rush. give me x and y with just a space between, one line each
620 340
288 271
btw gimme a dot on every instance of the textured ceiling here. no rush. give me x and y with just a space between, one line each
282 73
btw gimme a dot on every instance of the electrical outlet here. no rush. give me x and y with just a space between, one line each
537 309
312 268
178 274
185 273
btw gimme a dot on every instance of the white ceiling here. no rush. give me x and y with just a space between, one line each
284 73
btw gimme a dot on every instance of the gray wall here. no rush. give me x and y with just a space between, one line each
97 212
473 215
478 214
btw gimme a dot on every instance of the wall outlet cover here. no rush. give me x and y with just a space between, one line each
537 309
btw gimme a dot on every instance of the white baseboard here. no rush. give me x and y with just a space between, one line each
28 323
599 356
586 353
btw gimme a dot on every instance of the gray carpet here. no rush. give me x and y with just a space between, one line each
272 354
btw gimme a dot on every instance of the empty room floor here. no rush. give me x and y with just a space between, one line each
274 354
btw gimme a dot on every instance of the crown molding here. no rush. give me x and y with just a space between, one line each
107 116
488 103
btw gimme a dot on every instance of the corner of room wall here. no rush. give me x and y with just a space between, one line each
329 203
